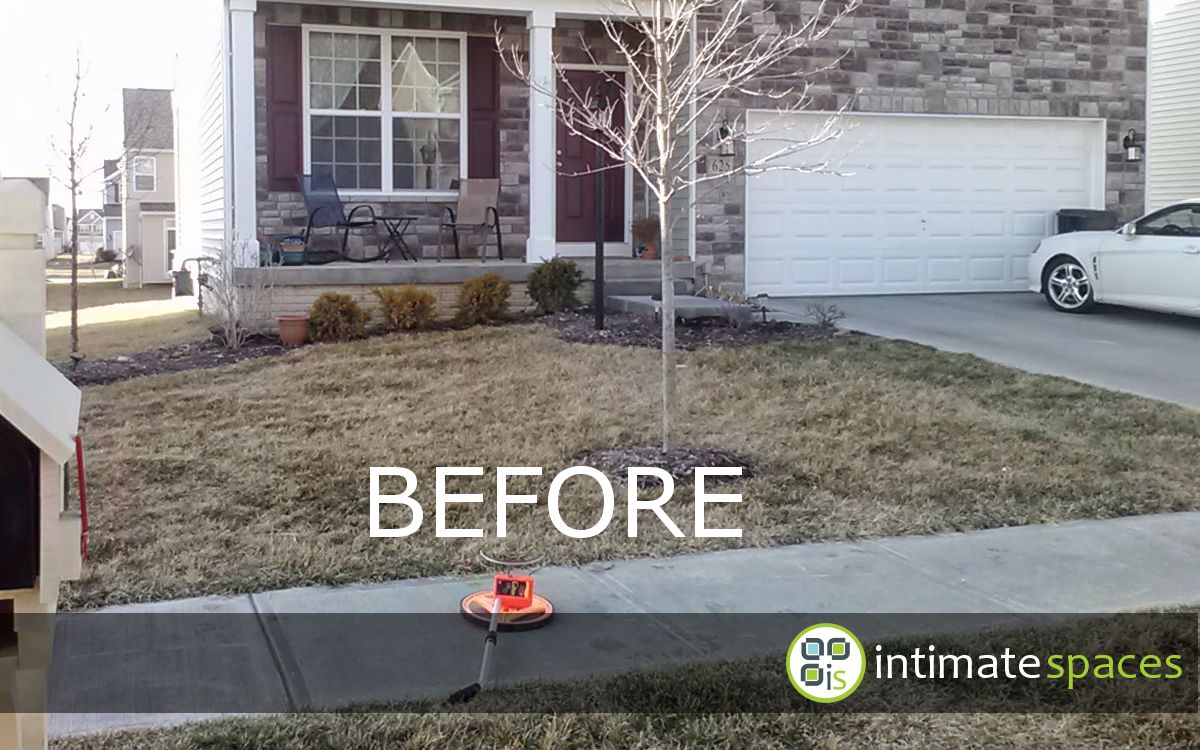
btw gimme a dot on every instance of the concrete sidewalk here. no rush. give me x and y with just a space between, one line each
282 656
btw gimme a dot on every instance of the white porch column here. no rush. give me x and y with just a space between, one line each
543 172
242 146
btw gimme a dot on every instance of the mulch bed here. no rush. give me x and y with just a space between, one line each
680 462
645 331
192 356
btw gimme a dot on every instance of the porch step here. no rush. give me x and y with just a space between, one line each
622 269
642 287
686 307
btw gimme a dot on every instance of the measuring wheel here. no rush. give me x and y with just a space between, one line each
520 608
508 605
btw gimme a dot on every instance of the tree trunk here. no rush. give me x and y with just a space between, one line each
668 328
75 357
662 125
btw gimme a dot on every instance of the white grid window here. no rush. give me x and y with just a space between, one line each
145 173
408 141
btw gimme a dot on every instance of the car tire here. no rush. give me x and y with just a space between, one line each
1067 286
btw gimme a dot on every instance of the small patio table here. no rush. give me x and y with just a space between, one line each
397 227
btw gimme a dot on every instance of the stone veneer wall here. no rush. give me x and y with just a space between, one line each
296 300
281 213
1059 58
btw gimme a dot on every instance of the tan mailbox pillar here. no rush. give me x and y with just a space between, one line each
39 417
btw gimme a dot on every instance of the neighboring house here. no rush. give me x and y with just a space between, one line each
1173 113
90 224
973 123
147 186
114 238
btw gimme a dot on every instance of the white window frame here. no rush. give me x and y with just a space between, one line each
386 113
134 174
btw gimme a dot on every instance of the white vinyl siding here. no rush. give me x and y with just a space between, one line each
1173 151
214 219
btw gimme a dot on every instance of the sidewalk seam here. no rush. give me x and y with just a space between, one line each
291 678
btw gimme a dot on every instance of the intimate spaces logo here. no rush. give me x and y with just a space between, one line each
826 663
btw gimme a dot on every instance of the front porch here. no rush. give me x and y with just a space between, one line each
396 101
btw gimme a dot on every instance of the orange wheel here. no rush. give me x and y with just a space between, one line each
477 608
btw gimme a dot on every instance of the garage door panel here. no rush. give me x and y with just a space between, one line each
901 271
923 203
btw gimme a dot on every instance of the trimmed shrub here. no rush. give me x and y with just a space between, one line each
408 308
553 283
483 300
336 317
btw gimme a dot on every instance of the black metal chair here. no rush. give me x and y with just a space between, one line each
325 210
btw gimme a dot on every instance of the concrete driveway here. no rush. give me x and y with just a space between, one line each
1126 350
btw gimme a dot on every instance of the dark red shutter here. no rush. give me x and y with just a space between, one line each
285 108
483 107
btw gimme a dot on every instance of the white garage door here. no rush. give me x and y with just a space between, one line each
920 204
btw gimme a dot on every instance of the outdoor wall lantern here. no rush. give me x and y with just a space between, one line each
725 146
1133 149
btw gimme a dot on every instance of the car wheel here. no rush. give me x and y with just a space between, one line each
1068 288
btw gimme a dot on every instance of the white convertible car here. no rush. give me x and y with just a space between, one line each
1152 263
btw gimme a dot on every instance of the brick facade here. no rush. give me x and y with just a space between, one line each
1083 58
1048 58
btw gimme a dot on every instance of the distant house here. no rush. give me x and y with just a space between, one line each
114 238
90 222
146 187
1173 113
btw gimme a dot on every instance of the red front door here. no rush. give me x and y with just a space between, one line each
577 157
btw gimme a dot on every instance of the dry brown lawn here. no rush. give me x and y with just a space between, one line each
114 321
255 476
634 732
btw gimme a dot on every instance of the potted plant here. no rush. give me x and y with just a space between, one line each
293 251
645 237
293 329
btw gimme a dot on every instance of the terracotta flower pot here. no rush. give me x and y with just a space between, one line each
293 329
651 252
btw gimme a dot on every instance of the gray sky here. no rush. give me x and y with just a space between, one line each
124 44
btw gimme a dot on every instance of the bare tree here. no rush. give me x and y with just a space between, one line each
686 61
73 154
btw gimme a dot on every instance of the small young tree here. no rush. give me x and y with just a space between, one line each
73 155
687 60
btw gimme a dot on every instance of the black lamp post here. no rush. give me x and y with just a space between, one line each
598 105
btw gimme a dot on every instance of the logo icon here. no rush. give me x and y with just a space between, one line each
826 662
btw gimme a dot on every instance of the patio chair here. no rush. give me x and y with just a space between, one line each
325 209
476 210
